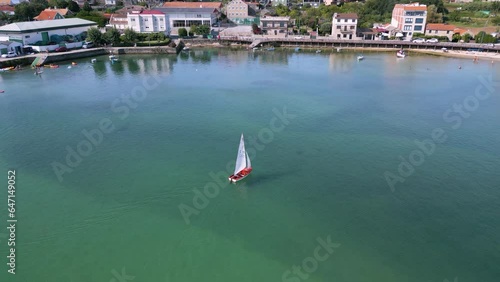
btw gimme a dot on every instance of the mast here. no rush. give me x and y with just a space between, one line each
241 159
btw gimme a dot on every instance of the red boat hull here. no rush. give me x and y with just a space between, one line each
240 175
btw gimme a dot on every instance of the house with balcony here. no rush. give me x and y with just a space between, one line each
242 13
275 26
118 21
344 26
147 21
236 9
409 19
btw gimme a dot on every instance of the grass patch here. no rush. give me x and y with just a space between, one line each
153 43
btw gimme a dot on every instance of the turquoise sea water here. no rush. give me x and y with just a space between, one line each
318 173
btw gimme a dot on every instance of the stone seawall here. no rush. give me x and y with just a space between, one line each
85 53
77 54
147 50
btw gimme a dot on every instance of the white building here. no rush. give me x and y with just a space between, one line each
344 26
118 21
278 2
10 46
409 18
43 32
186 17
147 21
110 2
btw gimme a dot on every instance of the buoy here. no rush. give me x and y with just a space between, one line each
73 63
69 67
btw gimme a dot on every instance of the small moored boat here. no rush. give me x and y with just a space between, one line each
401 54
360 57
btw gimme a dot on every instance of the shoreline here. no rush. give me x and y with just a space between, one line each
85 53
460 54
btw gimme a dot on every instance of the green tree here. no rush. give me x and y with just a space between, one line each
325 28
496 20
456 37
433 16
129 36
281 10
454 16
58 3
24 11
193 29
87 7
483 37
466 37
94 35
112 36
73 7
203 29
183 32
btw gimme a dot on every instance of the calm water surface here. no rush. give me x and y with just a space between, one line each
323 130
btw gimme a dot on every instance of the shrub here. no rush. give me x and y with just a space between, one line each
156 43
183 32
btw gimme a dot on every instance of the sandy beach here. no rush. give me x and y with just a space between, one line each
489 56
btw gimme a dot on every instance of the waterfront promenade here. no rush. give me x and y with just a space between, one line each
335 43
451 49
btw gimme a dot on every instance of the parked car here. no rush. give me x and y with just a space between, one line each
418 40
9 55
298 37
432 40
29 50
61 49
88 45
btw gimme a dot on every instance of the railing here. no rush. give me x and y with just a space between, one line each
386 43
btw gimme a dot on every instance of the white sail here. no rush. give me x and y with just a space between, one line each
248 160
241 159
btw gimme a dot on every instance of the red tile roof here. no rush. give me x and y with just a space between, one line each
411 7
6 8
152 12
179 4
46 15
347 16
442 27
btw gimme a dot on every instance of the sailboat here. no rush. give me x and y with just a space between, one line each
243 166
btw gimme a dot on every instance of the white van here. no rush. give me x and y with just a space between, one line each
88 45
